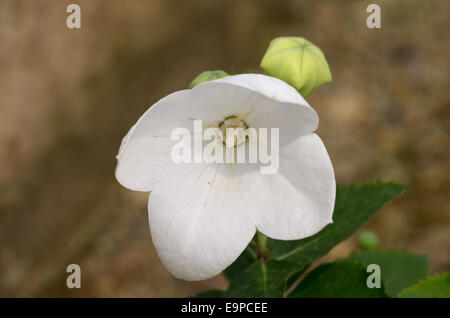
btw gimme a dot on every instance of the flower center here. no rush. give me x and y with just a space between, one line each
234 130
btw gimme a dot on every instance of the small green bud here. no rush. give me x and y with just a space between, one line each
298 62
368 241
207 76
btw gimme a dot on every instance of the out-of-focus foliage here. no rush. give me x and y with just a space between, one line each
207 76
399 269
368 241
434 287
344 279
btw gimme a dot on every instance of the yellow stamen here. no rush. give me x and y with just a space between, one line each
242 117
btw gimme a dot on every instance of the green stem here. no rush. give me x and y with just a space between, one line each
261 245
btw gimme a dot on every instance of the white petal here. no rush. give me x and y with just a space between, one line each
268 86
272 103
146 164
298 201
144 159
201 227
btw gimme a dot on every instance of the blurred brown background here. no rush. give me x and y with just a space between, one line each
68 96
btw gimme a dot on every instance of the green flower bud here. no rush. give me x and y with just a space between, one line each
207 76
368 241
298 62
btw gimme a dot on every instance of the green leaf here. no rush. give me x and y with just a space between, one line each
354 206
399 269
262 279
343 279
213 293
247 258
434 287
291 281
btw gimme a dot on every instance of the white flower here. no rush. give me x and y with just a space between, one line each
202 216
